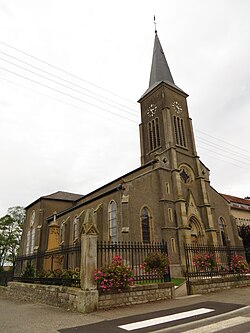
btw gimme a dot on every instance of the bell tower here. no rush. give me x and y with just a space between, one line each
167 138
165 121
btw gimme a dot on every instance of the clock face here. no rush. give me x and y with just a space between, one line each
177 107
151 110
32 218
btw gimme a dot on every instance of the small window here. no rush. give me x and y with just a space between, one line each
167 188
170 214
173 245
112 219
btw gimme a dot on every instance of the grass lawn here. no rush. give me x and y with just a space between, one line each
177 281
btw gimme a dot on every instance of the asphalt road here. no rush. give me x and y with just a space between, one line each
226 311
160 320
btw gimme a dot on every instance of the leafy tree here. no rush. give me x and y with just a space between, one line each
244 232
10 234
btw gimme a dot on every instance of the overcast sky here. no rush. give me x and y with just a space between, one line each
71 73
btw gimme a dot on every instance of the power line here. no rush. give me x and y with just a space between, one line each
72 83
229 144
222 148
230 158
68 95
223 159
63 85
69 104
214 152
62 70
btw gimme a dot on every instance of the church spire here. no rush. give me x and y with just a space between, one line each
159 69
160 72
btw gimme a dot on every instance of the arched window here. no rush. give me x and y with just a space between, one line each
28 243
112 220
223 233
75 228
145 225
154 134
32 245
179 130
62 232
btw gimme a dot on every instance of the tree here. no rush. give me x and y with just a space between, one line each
10 234
244 232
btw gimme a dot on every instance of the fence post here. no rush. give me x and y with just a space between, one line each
88 296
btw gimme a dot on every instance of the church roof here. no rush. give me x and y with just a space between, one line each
59 195
236 202
160 71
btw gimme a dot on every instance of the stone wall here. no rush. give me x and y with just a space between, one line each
204 286
79 300
52 295
136 295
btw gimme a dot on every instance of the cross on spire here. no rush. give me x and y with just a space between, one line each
155 25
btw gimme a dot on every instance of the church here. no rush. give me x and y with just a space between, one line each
168 197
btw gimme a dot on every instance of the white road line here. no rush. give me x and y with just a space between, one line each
165 319
220 325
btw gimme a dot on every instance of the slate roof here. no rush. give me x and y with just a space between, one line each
160 71
59 195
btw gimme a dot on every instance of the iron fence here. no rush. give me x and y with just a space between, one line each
48 267
212 261
68 258
69 282
133 255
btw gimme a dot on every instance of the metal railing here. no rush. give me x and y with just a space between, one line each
212 261
47 267
133 255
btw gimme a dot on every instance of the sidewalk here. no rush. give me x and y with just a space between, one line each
23 317
236 296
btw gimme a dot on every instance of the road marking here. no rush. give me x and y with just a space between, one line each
220 325
165 319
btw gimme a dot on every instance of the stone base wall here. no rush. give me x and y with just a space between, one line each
204 286
137 294
52 295
86 301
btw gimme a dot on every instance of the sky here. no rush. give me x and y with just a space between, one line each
71 73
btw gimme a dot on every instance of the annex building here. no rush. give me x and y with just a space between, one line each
168 197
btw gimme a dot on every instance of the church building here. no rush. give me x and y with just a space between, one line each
168 197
